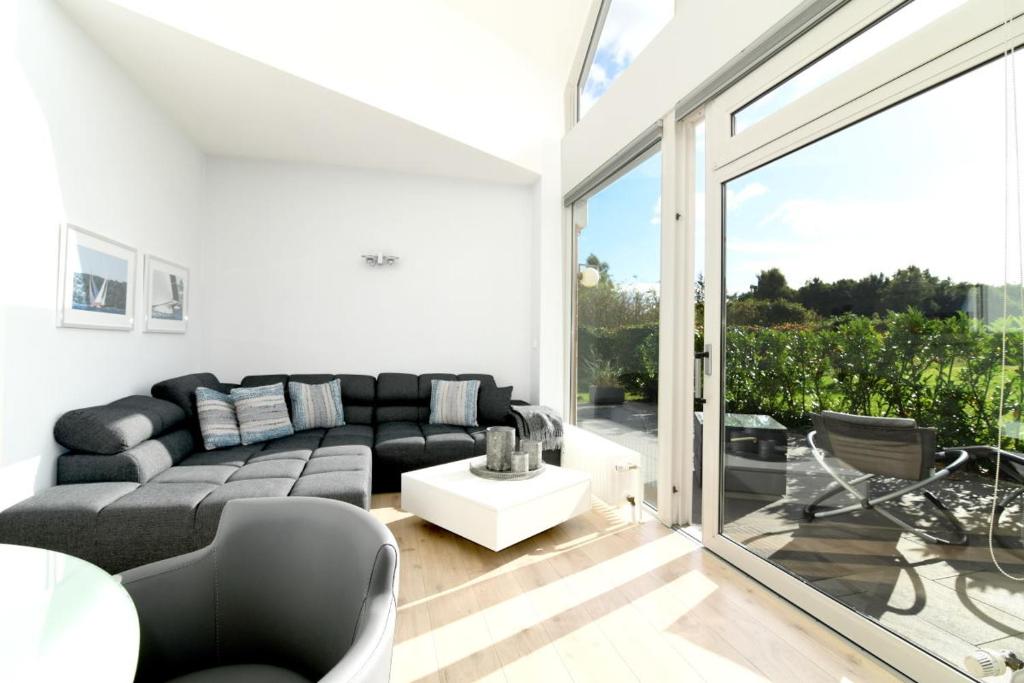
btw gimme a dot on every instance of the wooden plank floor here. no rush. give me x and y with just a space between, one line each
598 599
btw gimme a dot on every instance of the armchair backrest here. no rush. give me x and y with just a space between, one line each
887 446
293 576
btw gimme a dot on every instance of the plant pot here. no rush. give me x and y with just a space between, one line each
607 396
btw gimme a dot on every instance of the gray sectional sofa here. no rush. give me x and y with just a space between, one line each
146 489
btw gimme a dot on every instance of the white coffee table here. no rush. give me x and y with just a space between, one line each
495 514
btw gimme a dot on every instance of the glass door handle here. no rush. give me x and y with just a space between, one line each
701 368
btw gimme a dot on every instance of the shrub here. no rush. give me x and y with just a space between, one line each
766 312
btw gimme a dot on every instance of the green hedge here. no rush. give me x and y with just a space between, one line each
942 372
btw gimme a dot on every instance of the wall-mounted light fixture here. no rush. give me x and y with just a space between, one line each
589 275
380 259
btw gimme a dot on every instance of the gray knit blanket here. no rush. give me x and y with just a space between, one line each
539 423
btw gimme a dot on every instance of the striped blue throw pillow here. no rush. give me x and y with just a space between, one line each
262 413
453 403
316 405
217 421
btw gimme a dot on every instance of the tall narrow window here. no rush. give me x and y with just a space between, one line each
617 313
627 28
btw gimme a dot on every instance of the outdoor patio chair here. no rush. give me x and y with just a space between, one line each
1012 470
883 447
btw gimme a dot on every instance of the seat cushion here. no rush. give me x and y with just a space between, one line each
152 522
242 673
117 426
208 515
349 435
444 443
399 440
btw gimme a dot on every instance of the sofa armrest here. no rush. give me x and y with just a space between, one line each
176 605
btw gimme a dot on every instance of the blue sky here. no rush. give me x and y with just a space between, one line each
919 184
628 28
624 225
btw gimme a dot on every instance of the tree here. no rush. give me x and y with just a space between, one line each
771 284
908 288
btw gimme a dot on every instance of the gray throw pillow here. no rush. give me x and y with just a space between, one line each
262 413
454 403
316 406
217 421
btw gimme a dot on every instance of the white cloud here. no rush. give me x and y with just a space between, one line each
631 25
656 212
736 198
958 238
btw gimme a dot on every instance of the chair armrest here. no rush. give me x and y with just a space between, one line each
175 602
368 660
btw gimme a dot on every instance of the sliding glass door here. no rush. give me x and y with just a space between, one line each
617 312
865 316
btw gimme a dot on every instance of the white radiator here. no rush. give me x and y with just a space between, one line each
614 469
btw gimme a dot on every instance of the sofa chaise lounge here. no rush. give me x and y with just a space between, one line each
153 492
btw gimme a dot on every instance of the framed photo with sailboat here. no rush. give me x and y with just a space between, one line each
96 287
167 286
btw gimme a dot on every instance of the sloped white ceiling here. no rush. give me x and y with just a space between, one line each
469 88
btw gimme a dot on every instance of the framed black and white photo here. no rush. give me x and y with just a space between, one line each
96 286
166 296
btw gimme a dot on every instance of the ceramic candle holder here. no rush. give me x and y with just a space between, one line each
501 441
520 462
533 449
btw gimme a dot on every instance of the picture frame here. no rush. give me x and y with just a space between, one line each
166 286
96 281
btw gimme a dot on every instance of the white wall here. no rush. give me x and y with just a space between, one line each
287 290
79 144
701 38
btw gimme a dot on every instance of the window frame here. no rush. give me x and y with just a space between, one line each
955 44
588 57
937 51
603 7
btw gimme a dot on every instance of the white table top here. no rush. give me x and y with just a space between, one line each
454 478
63 619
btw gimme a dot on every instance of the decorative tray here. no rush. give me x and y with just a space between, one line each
479 468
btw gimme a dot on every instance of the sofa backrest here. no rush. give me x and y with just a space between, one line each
404 397
358 392
389 397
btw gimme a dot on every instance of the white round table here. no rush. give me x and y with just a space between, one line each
63 619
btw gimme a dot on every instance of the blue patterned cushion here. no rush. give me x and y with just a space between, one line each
316 405
262 413
453 403
217 420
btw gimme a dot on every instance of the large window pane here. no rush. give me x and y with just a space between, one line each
617 315
886 33
628 27
864 275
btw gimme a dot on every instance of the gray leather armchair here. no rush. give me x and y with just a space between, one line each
291 589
